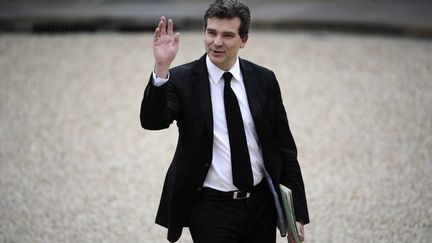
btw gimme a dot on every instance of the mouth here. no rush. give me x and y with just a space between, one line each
217 51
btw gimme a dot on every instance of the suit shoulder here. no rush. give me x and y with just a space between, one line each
179 75
258 68
183 69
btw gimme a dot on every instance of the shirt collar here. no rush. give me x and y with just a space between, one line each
216 73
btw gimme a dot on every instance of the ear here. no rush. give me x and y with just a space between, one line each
244 40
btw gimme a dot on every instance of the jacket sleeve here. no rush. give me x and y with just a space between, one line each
291 175
159 106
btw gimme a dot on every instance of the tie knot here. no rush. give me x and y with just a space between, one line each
227 77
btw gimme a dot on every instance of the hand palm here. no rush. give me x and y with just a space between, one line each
165 48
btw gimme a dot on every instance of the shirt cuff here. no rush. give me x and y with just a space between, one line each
159 81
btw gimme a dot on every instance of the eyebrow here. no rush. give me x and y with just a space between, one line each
223 32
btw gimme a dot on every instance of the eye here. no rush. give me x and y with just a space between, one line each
229 35
211 32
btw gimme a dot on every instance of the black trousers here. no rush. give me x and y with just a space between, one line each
221 219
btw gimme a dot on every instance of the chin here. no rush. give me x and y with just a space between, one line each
214 58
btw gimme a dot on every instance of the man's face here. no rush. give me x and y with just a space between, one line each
222 41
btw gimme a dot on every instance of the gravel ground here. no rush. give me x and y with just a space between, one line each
77 167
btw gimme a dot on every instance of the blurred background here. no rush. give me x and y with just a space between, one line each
75 165
384 16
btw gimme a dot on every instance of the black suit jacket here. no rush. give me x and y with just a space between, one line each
186 99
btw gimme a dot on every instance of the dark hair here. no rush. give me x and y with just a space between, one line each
230 9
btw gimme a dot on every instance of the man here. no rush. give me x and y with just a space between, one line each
233 135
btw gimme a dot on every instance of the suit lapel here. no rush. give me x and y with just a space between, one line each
257 97
251 83
202 87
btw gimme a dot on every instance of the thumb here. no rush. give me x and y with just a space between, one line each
177 39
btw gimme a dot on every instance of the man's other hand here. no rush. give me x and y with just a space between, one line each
300 229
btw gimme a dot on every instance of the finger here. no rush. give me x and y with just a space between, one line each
290 238
300 229
162 26
158 28
302 236
177 39
156 34
170 27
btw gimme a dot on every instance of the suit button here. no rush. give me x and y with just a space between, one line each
199 189
207 165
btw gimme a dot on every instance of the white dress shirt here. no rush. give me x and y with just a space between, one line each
219 176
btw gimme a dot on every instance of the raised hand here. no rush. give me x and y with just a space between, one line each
165 47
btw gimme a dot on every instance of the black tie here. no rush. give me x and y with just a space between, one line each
240 160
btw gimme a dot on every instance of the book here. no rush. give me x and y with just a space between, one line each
288 208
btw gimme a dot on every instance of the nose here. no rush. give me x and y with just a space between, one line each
218 41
